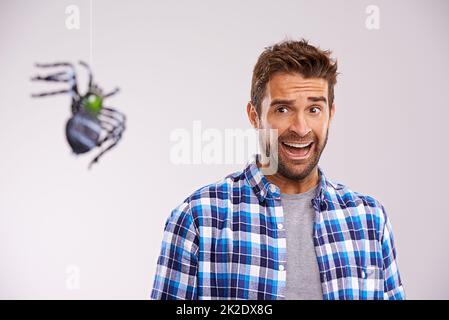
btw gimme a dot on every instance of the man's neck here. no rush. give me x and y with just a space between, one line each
290 186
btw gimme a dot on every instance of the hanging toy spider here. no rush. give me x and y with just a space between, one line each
92 124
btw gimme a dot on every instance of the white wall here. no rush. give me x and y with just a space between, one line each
180 61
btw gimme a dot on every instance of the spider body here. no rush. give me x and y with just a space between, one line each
83 132
92 124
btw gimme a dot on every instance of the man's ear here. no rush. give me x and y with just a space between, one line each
331 116
252 115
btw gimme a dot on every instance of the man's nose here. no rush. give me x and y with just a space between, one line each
300 126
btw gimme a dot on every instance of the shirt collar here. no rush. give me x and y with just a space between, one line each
263 188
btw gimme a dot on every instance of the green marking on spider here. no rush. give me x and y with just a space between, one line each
93 103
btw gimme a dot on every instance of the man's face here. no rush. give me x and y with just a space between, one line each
298 108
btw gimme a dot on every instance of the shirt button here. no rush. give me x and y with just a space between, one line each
280 226
363 274
281 267
272 188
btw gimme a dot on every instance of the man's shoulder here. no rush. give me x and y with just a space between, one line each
213 194
343 197
344 191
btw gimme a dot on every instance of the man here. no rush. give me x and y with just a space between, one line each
293 234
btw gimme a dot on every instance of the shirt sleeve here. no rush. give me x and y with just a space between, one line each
393 289
177 265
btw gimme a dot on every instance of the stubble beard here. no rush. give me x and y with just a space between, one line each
288 170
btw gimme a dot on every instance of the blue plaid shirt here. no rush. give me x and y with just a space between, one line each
225 241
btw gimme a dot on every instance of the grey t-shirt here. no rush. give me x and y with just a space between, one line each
303 279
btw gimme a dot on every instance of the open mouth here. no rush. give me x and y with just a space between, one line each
297 150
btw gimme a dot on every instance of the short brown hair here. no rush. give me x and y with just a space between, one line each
293 56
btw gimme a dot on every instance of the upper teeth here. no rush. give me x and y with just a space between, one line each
297 145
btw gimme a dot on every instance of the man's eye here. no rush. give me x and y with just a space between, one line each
281 110
315 109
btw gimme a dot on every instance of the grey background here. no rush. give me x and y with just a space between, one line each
180 61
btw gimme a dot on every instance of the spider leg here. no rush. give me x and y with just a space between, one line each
49 79
53 65
116 90
114 137
117 118
89 72
114 132
95 160
118 123
52 77
112 111
112 114
64 76
91 84
107 125
44 94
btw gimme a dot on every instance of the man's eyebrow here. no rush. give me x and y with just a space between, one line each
281 101
290 102
317 99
